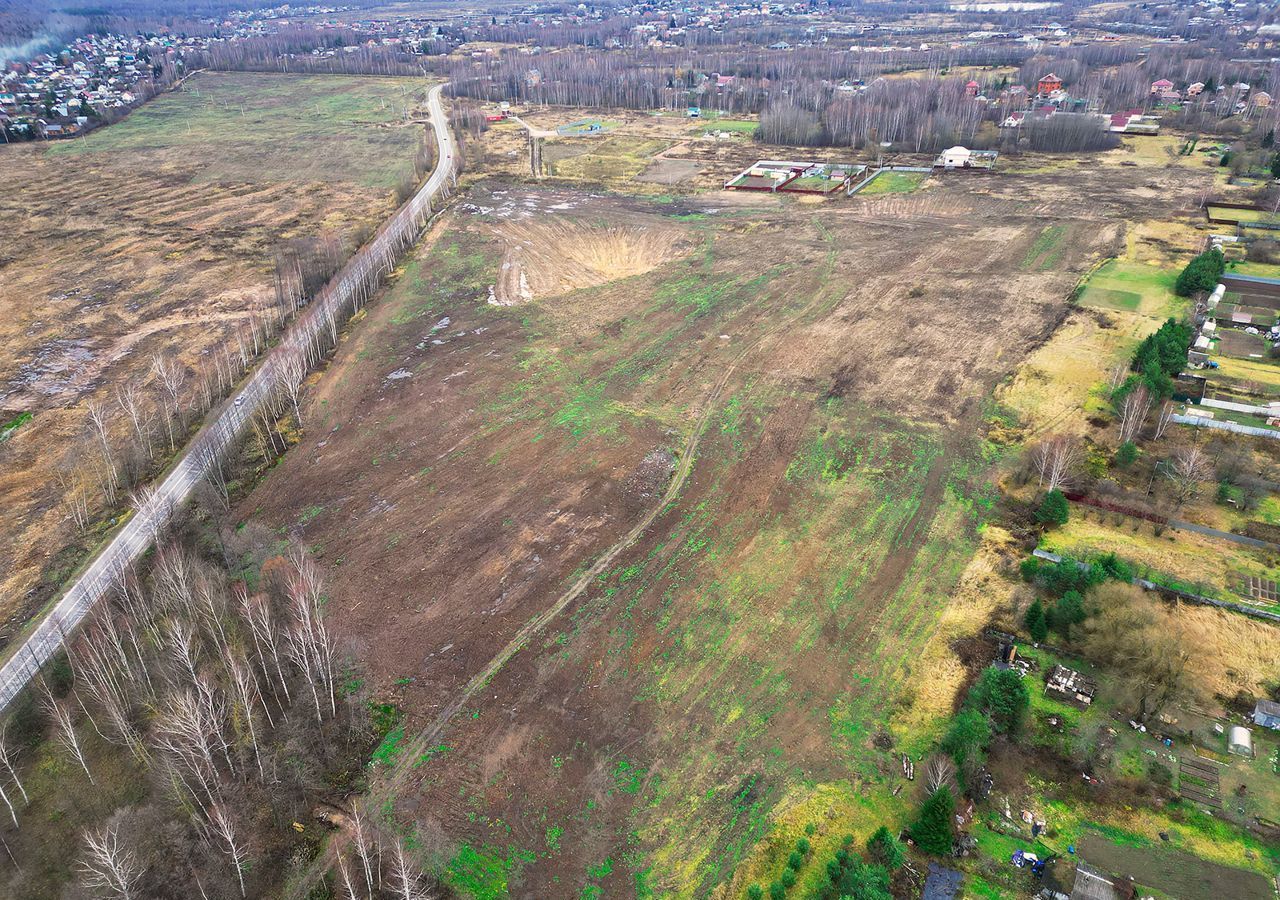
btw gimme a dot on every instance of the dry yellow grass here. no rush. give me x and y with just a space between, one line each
1056 388
1238 654
550 256
981 592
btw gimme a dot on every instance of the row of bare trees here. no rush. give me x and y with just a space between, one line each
145 418
1058 462
211 687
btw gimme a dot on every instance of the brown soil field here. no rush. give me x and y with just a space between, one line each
649 551
156 235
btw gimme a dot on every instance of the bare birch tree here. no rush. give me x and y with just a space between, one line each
344 873
108 472
405 875
1055 459
66 731
939 771
1189 467
364 846
224 829
1133 412
171 379
1163 420
131 403
108 865
7 759
292 372
245 689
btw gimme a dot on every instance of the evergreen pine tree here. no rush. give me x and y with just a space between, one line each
1037 627
933 831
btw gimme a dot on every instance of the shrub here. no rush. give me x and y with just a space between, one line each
1003 696
803 846
885 849
1068 611
1053 509
795 860
755 892
1127 454
850 878
788 878
933 830
1229 493
967 737
1037 627
777 891
1029 568
1113 567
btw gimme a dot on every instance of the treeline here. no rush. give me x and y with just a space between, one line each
667 78
226 695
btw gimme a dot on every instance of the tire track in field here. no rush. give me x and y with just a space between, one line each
412 753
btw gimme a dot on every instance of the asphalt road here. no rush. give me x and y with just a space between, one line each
335 301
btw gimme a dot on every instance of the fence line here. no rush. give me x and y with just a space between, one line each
1177 594
1202 422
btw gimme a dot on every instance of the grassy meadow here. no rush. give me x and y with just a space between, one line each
269 127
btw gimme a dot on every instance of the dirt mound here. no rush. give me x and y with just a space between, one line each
551 256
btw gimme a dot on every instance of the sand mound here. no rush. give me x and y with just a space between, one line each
552 256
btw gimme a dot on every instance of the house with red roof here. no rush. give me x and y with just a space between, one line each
971 89
1048 84
1159 87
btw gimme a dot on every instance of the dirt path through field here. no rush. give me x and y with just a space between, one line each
413 752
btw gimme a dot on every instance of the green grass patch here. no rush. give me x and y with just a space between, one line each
8 429
1223 214
265 127
477 874
737 125
1132 287
1044 252
894 183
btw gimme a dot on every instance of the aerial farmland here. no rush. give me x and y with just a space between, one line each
640 452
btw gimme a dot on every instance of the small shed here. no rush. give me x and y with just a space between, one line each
955 158
1240 741
1266 714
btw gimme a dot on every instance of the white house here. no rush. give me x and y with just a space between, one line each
956 158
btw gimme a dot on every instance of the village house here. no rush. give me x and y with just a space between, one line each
1266 714
1164 84
1048 84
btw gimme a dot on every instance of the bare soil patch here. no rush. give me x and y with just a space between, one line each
771 620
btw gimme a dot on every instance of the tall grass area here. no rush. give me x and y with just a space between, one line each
266 127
